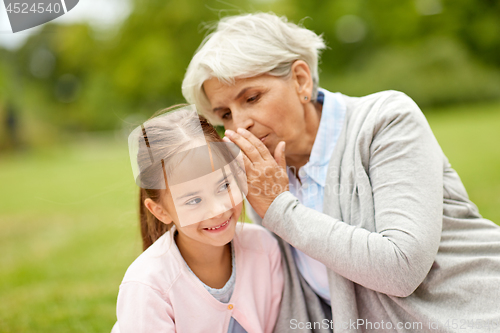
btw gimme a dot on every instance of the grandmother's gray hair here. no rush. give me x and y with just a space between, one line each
249 45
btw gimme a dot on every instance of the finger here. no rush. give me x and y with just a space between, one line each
247 162
259 145
282 176
279 154
248 166
248 148
242 160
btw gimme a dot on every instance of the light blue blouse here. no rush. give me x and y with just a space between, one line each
313 176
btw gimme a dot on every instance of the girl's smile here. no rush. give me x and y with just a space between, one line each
217 231
220 227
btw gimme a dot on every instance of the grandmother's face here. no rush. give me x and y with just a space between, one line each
269 107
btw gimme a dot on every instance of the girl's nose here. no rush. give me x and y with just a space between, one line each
218 206
218 216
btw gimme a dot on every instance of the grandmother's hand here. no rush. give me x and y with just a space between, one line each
266 176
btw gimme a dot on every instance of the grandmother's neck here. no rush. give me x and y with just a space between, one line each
300 156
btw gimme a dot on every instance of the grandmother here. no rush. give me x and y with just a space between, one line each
376 228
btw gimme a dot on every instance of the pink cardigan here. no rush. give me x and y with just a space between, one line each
160 294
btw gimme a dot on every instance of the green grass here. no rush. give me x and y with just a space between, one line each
68 232
470 138
68 223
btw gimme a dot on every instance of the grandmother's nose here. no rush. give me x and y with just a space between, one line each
241 120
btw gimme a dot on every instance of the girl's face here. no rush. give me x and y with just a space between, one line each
217 231
206 209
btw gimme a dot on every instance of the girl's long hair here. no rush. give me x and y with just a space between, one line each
174 133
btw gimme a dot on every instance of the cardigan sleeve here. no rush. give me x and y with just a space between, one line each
143 309
404 169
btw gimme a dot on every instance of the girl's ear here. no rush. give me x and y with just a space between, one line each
303 80
158 211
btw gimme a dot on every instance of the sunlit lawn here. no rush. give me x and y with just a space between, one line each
68 223
470 138
67 233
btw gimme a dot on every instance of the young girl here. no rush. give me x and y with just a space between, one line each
197 272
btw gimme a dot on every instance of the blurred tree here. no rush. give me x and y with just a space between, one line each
76 79
438 52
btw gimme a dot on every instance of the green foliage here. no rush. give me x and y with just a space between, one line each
428 49
75 78
435 71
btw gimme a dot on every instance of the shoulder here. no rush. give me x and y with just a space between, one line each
383 102
158 267
385 95
376 111
256 238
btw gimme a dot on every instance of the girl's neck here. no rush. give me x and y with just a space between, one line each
211 264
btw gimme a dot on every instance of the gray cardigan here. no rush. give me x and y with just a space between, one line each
406 250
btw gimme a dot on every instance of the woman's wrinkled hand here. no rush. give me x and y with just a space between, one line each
266 176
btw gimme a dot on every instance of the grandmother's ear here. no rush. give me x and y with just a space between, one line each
301 74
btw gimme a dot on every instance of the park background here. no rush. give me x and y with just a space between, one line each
71 91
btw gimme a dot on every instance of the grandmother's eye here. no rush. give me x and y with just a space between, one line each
253 98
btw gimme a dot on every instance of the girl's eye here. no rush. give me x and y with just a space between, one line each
194 201
226 115
224 186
